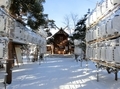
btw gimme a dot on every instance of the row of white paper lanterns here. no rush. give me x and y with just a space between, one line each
18 32
107 54
106 50
24 34
113 43
100 10
104 29
27 36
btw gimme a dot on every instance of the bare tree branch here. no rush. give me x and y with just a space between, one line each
67 20
74 18
70 21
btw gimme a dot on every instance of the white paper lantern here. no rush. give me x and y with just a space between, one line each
109 27
103 7
109 54
91 19
87 23
91 53
103 30
77 42
103 53
30 37
86 36
4 2
94 53
98 11
94 16
25 34
115 2
77 50
117 54
110 5
17 33
1 50
91 34
87 52
2 24
98 53
116 25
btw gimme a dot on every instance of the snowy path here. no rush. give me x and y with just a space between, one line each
61 73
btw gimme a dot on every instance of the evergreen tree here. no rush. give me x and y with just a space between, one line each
80 32
32 9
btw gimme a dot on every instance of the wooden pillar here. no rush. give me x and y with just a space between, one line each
9 63
37 50
69 50
54 48
116 74
36 54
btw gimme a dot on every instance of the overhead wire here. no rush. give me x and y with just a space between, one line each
91 1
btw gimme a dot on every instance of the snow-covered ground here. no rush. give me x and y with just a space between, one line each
61 73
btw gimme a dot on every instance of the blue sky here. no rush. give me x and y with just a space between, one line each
58 9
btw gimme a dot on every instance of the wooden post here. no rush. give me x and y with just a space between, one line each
9 63
116 75
97 74
37 50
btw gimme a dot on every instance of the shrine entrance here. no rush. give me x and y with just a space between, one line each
61 44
